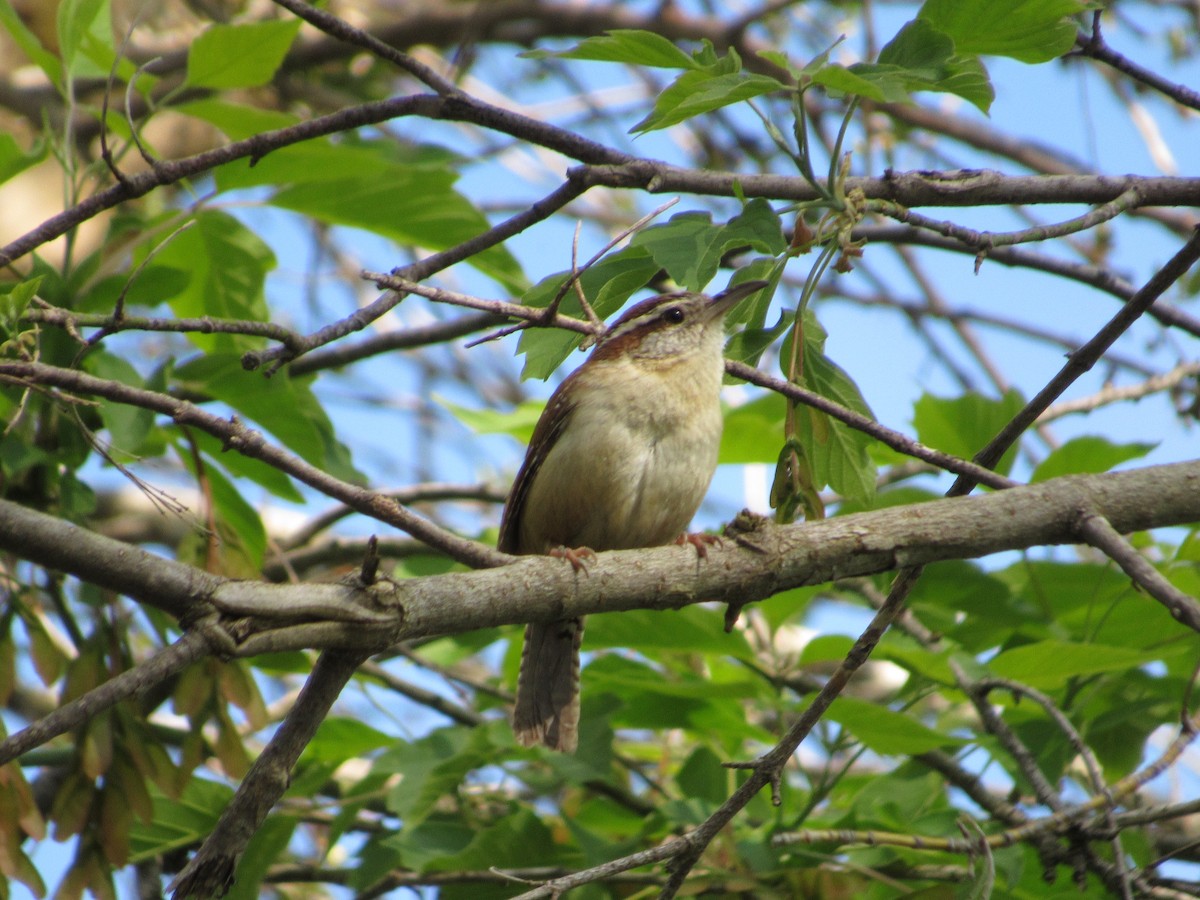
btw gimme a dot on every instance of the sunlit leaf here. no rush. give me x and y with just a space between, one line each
239 56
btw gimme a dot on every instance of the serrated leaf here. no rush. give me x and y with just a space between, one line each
690 246
964 425
1032 31
699 91
432 766
284 406
228 265
836 452
404 192
239 56
607 285
625 45
922 58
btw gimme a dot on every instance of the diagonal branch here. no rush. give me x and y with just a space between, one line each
210 871
250 443
1086 356
1097 531
193 645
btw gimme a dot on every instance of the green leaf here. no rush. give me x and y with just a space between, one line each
14 299
868 84
85 38
239 466
1032 31
339 739
433 767
703 777
687 246
261 852
24 38
689 630
631 680
922 58
282 405
401 192
146 287
181 822
701 91
518 422
1087 455
625 45
240 531
129 427
1049 664
962 426
238 122
14 160
690 247
836 452
753 431
886 731
239 56
607 285
439 846
228 264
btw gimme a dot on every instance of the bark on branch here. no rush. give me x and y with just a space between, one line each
760 560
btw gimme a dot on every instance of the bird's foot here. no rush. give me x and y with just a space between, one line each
700 541
575 556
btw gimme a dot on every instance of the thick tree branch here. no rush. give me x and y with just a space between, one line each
210 871
759 562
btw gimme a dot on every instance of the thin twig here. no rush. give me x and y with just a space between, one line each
194 644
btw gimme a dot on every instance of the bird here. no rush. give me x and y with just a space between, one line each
620 458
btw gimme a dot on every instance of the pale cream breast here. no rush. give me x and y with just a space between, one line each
641 484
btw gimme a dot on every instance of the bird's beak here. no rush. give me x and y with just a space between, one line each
729 297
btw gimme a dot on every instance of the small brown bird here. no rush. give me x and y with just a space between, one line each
621 458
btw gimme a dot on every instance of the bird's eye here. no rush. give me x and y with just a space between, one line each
673 314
